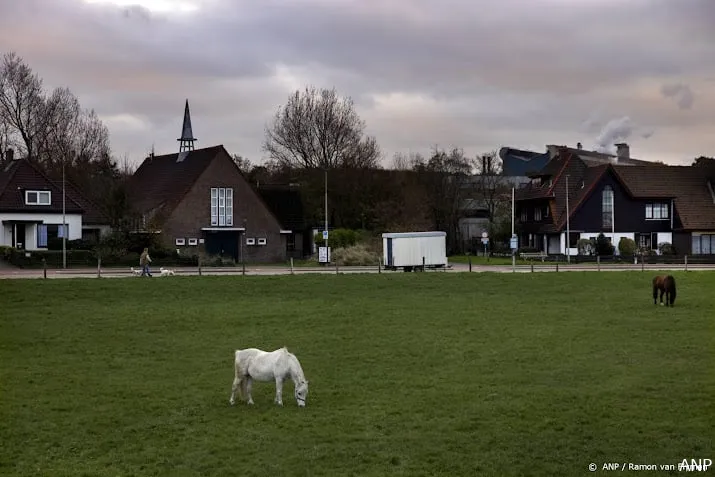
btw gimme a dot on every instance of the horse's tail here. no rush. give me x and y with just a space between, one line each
673 292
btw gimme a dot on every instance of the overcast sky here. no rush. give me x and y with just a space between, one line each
475 74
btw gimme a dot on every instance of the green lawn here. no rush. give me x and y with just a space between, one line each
410 374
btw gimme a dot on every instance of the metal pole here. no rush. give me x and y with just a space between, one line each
326 214
513 251
64 220
568 223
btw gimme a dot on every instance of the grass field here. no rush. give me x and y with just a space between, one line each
410 374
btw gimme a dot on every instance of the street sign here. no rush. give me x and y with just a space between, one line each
485 235
325 235
514 242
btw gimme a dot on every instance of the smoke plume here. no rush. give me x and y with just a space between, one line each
616 130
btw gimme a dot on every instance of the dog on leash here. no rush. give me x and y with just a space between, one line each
136 272
166 272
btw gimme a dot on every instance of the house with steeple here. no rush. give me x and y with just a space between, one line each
198 200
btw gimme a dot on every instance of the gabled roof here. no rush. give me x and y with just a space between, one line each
286 204
163 181
19 175
688 186
93 214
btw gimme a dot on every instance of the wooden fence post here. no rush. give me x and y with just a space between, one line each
557 266
686 263
642 265
469 257
44 267
99 266
199 264
532 267
243 268
379 265
291 265
598 262
337 270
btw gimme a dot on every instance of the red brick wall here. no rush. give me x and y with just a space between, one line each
194 212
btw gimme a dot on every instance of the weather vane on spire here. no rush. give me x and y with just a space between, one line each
186 141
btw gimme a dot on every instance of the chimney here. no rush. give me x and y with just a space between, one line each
579 145
9 155
623 151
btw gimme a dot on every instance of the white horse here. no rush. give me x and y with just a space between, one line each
255 364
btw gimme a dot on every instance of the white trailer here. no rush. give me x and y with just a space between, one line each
414 250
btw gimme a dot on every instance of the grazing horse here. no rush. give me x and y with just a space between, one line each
666 285
254 364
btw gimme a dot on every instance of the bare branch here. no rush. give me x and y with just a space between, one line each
318 129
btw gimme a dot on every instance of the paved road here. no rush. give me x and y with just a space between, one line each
279 270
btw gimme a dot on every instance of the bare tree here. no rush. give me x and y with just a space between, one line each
406 162
489 183
318 129
22 104
443 178
244 164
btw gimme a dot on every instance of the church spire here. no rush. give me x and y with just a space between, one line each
186 141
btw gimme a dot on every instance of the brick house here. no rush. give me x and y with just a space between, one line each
200 200
650 203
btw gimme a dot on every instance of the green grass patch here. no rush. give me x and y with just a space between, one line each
410 374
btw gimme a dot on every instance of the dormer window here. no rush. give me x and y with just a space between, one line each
38 197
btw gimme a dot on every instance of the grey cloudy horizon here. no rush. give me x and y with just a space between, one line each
477 74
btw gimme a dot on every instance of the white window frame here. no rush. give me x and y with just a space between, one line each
537 214
261 241
221 207
193 242
180 241
40 195
250 241
214 206
607 199
657 211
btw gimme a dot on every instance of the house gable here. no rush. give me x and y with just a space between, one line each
20 180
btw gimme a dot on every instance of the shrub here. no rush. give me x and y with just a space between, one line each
603 246
626 246
666 248
586 246
339 238
354 255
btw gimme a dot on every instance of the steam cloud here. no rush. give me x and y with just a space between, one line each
681 93
616 130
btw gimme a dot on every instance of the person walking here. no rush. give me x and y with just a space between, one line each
144 261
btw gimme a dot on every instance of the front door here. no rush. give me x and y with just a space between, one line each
18 236
223 244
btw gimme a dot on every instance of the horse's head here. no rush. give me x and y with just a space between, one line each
301 393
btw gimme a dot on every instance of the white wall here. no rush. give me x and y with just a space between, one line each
74 223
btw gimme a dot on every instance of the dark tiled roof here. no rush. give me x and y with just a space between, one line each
286 204
687 185
163 181
20 175
93 214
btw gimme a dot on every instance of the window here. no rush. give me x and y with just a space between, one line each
193 242
261 241
644 241
47 232
703 244
607 207
537 214
524 215
38 197
221 207
180 242
250 241
42 236
657 212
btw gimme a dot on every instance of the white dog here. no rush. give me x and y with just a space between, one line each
136 272
165 272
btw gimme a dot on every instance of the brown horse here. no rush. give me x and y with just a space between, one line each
666 285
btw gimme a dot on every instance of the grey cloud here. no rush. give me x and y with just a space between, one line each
512 70
681 93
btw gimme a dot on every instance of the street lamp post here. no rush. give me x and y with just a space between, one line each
326 217
568 225
64 220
